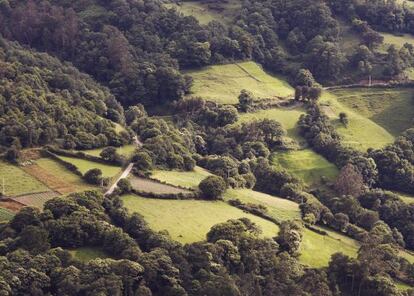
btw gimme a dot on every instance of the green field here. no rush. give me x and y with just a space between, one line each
204 14
316 249
406 197
279 208
84 165
86 254
184 179
126 150
5 215
392 109
286 117
307 165
397 40
362 133
18 182
189 220
147 185
223 83
60 178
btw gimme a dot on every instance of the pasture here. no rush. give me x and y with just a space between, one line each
307 165
392 109
361 133
147 185
204 13
57 177
288 118
279 208
126 150
397 40
17 181
223 83
86 254
189 221
184 179
108 171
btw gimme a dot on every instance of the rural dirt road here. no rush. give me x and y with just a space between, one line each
127 170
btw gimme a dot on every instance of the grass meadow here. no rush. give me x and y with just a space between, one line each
84 165
223 83
184 179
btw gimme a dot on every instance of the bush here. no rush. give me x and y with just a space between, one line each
212 187
93 176
142 161
124 186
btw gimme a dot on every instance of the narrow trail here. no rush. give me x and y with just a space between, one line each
127 170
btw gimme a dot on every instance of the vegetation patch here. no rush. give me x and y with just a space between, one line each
18 182
278 208
395 39
56 176
223 83
84 165
36 199
86 254
361 132
307 165
126 150
393 109
183 179
147 185
189 220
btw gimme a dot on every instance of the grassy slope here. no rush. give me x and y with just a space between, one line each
184 179
361 133
86 254
393 109
5 215
147 185
63 178
126 150
397 40
190 220
223 83
85 165
204 14
287 118
307 165
18 182
279 208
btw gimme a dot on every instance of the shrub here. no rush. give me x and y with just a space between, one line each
212 187
142 161
124 186
93 176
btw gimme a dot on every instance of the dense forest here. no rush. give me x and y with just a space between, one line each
102 74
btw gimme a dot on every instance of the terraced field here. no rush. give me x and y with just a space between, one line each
183 179
84 165
36 199
307 165
189 220
279 208
17 181
5 215
361 133
57 177
147 185
223 83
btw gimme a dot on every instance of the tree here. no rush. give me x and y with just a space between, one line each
110 154
213 187
343 118
290 237
13 154
350 181
93 176
304 77
124 185
245 100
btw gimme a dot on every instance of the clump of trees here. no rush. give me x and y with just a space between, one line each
212 187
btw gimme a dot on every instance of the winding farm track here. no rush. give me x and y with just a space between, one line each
127 170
